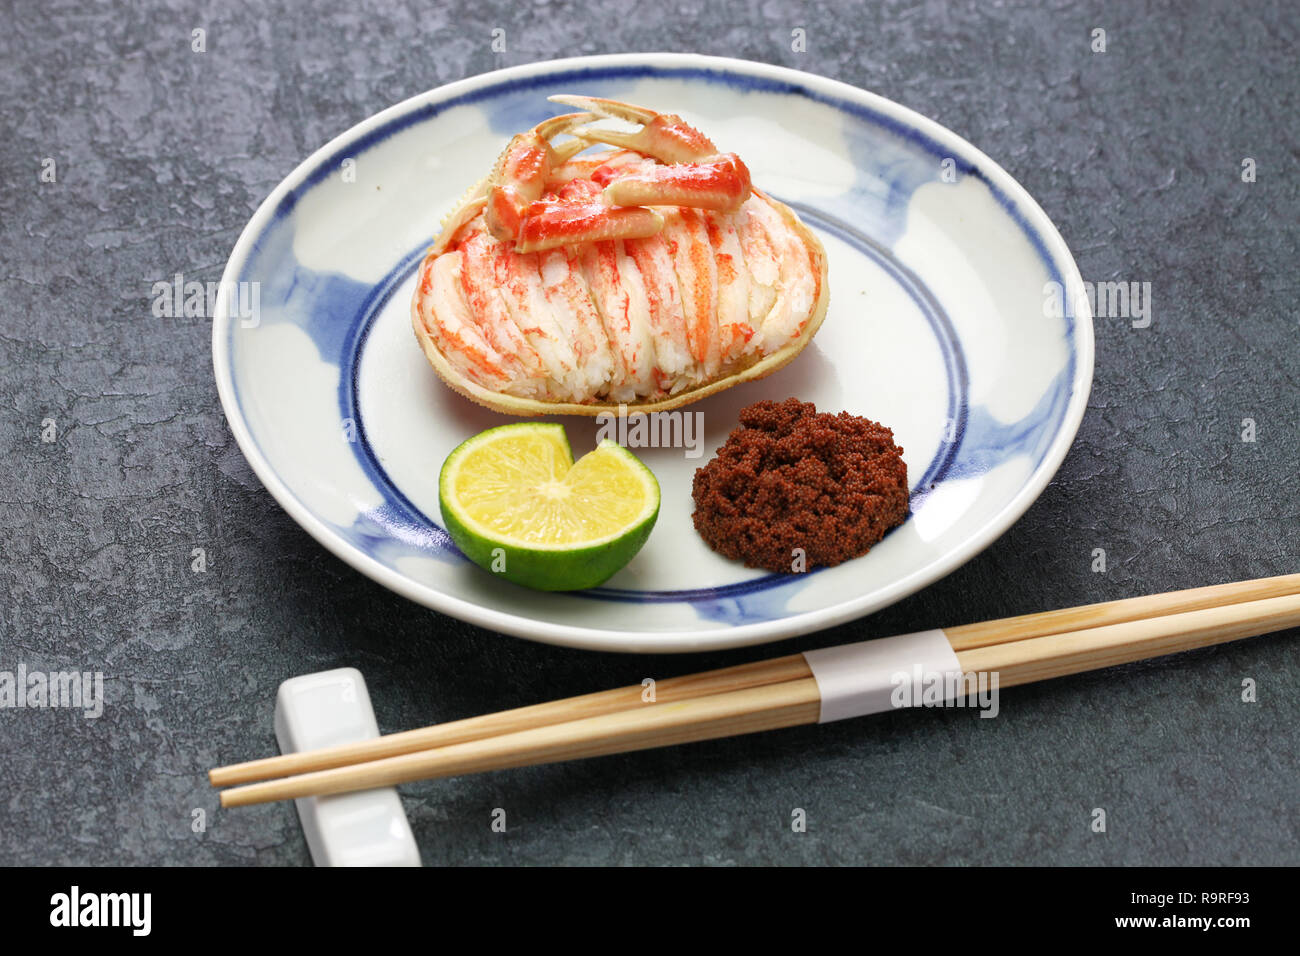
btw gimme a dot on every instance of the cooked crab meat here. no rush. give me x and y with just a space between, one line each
647 274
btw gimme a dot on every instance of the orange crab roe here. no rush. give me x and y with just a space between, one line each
789 478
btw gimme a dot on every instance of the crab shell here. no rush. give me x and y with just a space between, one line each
508 404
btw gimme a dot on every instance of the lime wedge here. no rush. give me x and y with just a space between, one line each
517 505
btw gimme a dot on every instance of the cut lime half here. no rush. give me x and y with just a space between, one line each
517 505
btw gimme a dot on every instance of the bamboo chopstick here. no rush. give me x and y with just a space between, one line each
787 703
966 636
708 683
756 674
772 706
1071 652
736 678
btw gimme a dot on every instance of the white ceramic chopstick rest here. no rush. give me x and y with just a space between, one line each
368 828
859 679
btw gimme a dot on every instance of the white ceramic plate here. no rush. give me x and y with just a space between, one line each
939 326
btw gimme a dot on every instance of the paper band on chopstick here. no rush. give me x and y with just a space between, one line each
859 679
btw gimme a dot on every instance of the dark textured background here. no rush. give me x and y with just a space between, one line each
163 154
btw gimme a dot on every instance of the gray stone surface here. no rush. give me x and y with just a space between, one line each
162 154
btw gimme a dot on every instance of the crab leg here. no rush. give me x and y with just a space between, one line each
522 170
721 184
549 224
691 171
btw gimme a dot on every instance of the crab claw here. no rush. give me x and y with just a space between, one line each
663 136
692 171
519 178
